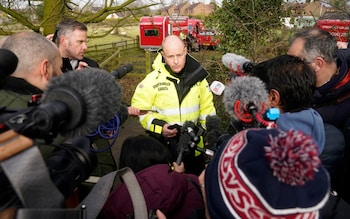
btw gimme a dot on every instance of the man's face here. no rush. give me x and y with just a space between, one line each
175 57
296 48
76 44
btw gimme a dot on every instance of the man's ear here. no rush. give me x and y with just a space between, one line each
44 69
274 98
162 53
317 64
63 41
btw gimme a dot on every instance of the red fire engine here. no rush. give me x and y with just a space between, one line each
194 26
337 24
207 38
153 29
179 25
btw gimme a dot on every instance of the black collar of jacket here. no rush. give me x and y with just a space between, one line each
192 70
20 86
66 66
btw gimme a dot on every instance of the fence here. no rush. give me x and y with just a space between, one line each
113 55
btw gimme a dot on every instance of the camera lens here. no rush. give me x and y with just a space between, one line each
70 164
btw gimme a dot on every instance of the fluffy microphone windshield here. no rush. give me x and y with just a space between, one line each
234 62
247 90
91 95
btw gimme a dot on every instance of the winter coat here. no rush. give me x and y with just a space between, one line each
175 194
332 100
171 99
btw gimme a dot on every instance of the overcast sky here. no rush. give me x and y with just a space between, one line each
100 2
167 2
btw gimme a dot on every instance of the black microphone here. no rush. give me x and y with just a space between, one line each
187 141
75 104
122 71
189 127
245 97
213 124
123 113
8 62
237 63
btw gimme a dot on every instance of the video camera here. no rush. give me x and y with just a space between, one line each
70 162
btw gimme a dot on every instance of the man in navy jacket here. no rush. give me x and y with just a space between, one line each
332 97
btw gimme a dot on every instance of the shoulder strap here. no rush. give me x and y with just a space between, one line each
26 170
91 206
32 183
95 200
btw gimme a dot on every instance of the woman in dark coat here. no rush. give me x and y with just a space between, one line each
175 194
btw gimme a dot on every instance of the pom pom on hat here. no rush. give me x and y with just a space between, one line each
293 157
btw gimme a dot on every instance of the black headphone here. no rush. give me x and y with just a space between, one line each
55 34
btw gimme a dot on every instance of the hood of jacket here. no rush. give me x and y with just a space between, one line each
309 121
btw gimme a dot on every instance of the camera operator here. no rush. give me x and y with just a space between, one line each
33 71
30 78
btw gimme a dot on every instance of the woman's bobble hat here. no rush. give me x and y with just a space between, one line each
266 173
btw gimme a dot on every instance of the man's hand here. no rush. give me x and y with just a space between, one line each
82 65
133 111
179 168
50 36
168 133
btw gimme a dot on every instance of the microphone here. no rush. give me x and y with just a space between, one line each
74 104
237 63
122 71
189 127
244 98
8 62
217 87
123 113
213 124
187 141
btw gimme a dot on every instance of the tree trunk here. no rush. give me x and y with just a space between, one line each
53 13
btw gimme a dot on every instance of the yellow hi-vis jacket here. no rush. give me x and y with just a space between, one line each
157 93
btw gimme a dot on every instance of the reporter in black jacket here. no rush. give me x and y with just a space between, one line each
71 38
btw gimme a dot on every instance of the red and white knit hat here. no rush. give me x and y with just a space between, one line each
266 173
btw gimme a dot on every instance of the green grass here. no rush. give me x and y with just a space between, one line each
130 33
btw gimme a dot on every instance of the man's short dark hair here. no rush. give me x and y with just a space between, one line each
67 26
291 77
317 42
